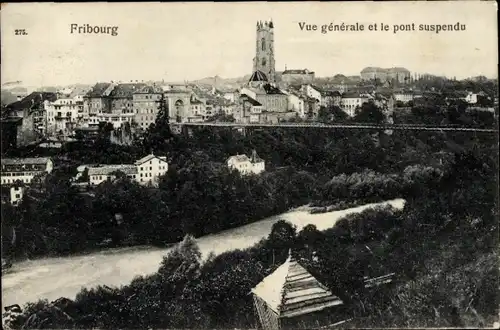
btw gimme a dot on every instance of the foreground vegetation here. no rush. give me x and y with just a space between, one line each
442 247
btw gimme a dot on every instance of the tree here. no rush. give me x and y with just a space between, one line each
85 176
331 114
158 135
324 115
369 113
282 237
338 114
180 267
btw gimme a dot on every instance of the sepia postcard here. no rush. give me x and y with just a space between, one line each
249 165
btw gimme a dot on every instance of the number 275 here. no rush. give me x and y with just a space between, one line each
20 32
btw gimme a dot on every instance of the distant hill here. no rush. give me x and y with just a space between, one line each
221 82
7 97
77 88
17 89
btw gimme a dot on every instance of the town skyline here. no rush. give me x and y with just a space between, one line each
207 41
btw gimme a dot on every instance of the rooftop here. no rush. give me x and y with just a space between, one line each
258 76
297 71
351 95
126 90
331 93
148 158
292 291
98 90
239 158
255 158
25 161
149 90
32 100
250 100
108 169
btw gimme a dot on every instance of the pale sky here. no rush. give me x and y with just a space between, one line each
186 41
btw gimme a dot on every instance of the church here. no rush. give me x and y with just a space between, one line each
262 86
263 62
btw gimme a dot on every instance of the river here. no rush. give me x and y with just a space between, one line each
52 278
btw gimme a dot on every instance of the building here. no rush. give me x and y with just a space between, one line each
122 97
16 194
331 98
374 73
103 173
311 107
297 76
18 172
150 168
351 101
98 100
117 118
12 193
231 95
178 102
291 298
271 98
471 98
11 133
24 169
400 75
263 61
250 110
146 102
198 111
403 96
296 103
32 111
63 115
312 91
220 105
246 165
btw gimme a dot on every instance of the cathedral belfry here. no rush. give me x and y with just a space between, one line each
263 62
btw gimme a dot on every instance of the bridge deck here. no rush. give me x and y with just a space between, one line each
416 127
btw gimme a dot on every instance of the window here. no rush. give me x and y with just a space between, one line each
263 61
263 44
18 196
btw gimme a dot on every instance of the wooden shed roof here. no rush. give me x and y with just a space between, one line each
292 291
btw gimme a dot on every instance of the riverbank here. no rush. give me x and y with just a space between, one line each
51 278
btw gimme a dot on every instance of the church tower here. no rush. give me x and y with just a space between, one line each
264 51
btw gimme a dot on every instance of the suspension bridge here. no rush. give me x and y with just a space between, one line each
414 127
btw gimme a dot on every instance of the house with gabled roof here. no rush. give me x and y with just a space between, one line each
150 168
145 171
122 97
247 165
97 99
17 173
102 173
